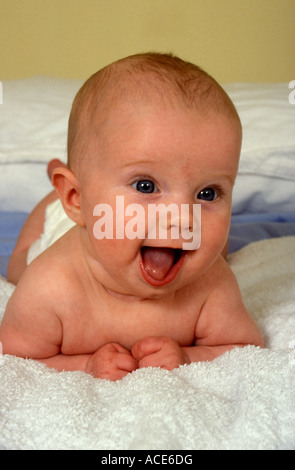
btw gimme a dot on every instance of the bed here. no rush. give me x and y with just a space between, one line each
245 399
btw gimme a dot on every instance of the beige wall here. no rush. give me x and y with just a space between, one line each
235 40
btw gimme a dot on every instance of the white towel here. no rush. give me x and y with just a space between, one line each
244 399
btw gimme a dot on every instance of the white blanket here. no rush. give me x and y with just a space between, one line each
245 399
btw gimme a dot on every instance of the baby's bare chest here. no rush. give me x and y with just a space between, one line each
90 325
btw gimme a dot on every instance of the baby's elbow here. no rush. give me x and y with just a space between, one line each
260 343
257 340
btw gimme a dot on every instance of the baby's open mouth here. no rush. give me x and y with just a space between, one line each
161 265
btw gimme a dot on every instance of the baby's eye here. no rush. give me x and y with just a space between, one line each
207 194
145 186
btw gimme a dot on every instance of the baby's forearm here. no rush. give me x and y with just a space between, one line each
63 362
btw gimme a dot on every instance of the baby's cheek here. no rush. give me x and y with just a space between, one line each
115 252
214 231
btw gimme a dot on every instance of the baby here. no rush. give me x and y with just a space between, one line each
108 297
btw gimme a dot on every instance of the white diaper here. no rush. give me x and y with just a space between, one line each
57 223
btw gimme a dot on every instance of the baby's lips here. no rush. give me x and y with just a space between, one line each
160 265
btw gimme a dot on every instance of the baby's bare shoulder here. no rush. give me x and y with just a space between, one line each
31 313
218 279
224 316
51 277
220 274
47 293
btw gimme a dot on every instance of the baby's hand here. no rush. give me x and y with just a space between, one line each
111 361
159 352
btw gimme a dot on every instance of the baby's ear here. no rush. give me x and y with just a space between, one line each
68 188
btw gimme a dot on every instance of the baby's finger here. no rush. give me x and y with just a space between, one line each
152 360
126 362
119 348
147 346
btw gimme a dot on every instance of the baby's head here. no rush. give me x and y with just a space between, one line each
148 80
150 130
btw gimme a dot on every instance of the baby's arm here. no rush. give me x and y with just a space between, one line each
223 324
31 328
111 361
27 336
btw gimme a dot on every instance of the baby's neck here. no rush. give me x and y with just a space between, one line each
122 297
98 278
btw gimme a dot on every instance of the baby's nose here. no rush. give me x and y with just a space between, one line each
188 226
175 222
179 220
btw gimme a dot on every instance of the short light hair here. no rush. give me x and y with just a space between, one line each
136 79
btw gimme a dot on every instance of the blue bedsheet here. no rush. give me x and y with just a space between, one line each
10 227
245 229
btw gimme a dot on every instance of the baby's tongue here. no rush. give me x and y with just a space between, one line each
157 261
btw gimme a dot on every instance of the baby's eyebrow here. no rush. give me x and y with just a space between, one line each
143 162
208 178
228 178
140 166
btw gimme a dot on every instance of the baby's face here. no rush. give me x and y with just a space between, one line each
151 157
